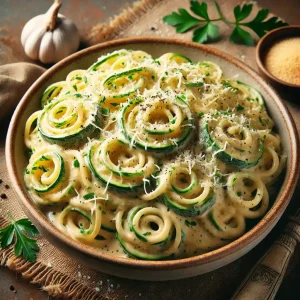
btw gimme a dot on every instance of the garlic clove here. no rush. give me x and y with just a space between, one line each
72 33
47 48
50 37
32 44
60 44
29 27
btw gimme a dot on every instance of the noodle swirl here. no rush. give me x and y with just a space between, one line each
152 158
148 232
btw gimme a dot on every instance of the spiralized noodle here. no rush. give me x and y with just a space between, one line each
152 158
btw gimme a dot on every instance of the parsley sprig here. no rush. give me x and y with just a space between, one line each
205 30
24 245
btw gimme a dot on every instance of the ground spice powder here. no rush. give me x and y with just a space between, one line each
283 60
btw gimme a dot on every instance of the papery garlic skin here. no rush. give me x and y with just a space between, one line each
50 37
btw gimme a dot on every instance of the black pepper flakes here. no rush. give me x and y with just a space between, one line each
12 288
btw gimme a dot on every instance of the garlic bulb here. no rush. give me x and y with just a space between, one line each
50 37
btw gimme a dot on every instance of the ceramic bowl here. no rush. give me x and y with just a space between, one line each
270 39
138 269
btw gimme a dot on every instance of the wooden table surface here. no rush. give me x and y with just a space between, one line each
13 16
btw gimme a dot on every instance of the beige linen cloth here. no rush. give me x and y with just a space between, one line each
56 272
15 79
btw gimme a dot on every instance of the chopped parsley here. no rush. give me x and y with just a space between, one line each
240 108
200 115
76 163
263 121
89 196
190 224
70 190
105 111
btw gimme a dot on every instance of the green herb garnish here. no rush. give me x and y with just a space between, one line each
44 169
89 196
239 108
76 163
24 245
263 121
70 190
205 30
43 158
200 115
190 224
105 111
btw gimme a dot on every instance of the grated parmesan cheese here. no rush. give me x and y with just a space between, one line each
283 60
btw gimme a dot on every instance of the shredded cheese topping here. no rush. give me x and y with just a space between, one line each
283 60
153 158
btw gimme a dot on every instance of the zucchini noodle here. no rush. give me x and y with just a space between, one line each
231 139
162 126
80 221
119 167
150 233
53 91
189 194
67 120
152 158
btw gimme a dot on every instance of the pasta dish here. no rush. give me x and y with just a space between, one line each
152 158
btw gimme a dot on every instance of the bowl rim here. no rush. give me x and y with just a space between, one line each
246 239
259 51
